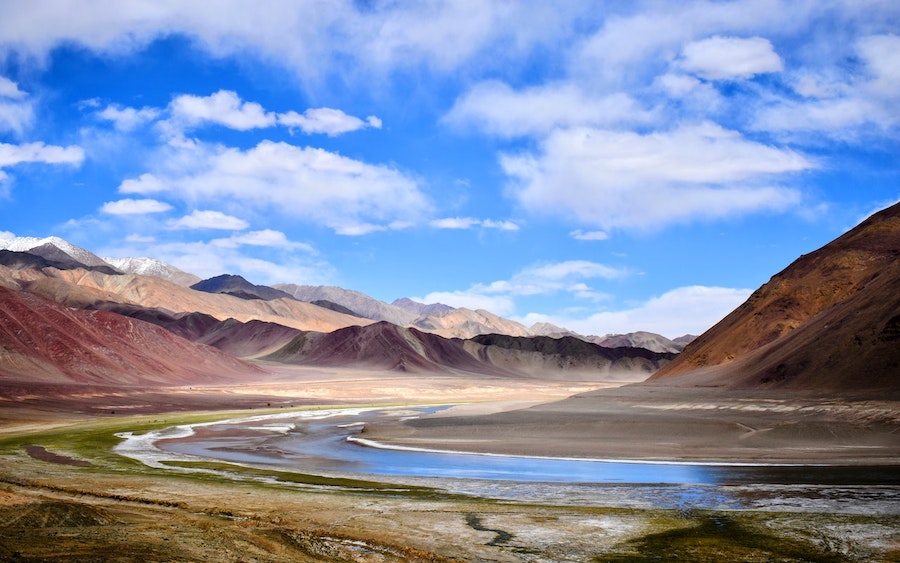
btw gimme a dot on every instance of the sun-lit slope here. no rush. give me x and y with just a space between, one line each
42 341
81 288
809 287
466 323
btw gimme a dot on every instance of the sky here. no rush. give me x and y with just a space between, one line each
607 167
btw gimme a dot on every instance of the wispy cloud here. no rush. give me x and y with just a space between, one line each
680 311
135 207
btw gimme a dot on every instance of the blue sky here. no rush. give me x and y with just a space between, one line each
604 166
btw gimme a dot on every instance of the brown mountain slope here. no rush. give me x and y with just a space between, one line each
81 288
810 286
42 341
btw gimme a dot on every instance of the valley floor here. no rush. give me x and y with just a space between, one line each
64 495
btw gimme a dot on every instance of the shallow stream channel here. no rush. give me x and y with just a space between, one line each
326 442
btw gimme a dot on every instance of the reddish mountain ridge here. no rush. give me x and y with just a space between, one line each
828 322
42 341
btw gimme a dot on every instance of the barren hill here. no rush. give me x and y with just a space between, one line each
387 346
829 321
42 341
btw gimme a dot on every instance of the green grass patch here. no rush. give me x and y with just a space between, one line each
339 483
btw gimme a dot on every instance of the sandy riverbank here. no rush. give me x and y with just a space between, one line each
646 423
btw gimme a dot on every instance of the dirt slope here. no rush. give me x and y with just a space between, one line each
42 341
858 270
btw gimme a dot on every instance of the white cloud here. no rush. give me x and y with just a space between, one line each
578 234
10 155
849 107
135 207
265 237
222 108
882 55
496 108
127 118
9 89
613 179
454 223
331 122
144 184
349 196
724 58
208 219
469 222
543 279
684 310
7 235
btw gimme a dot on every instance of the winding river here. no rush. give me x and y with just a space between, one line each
327 443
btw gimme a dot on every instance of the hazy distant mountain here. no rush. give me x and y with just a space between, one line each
239 287
466 323
420 309
155 268
828 322
550 329
640 339
27 244
360 303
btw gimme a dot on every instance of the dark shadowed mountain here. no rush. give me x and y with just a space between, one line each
47 256
239 287
45 342
334 307
386 346
828 322
239 339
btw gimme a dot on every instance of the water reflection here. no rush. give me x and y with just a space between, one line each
314 445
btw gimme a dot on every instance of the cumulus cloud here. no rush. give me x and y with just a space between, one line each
221 108
625 180
723 58
349 196
328 121
135 207
684 310
496 108
208 219
128 118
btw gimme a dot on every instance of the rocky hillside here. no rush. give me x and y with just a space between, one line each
42 341
388 347
829 321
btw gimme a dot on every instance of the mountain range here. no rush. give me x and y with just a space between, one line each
97 320
829 322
